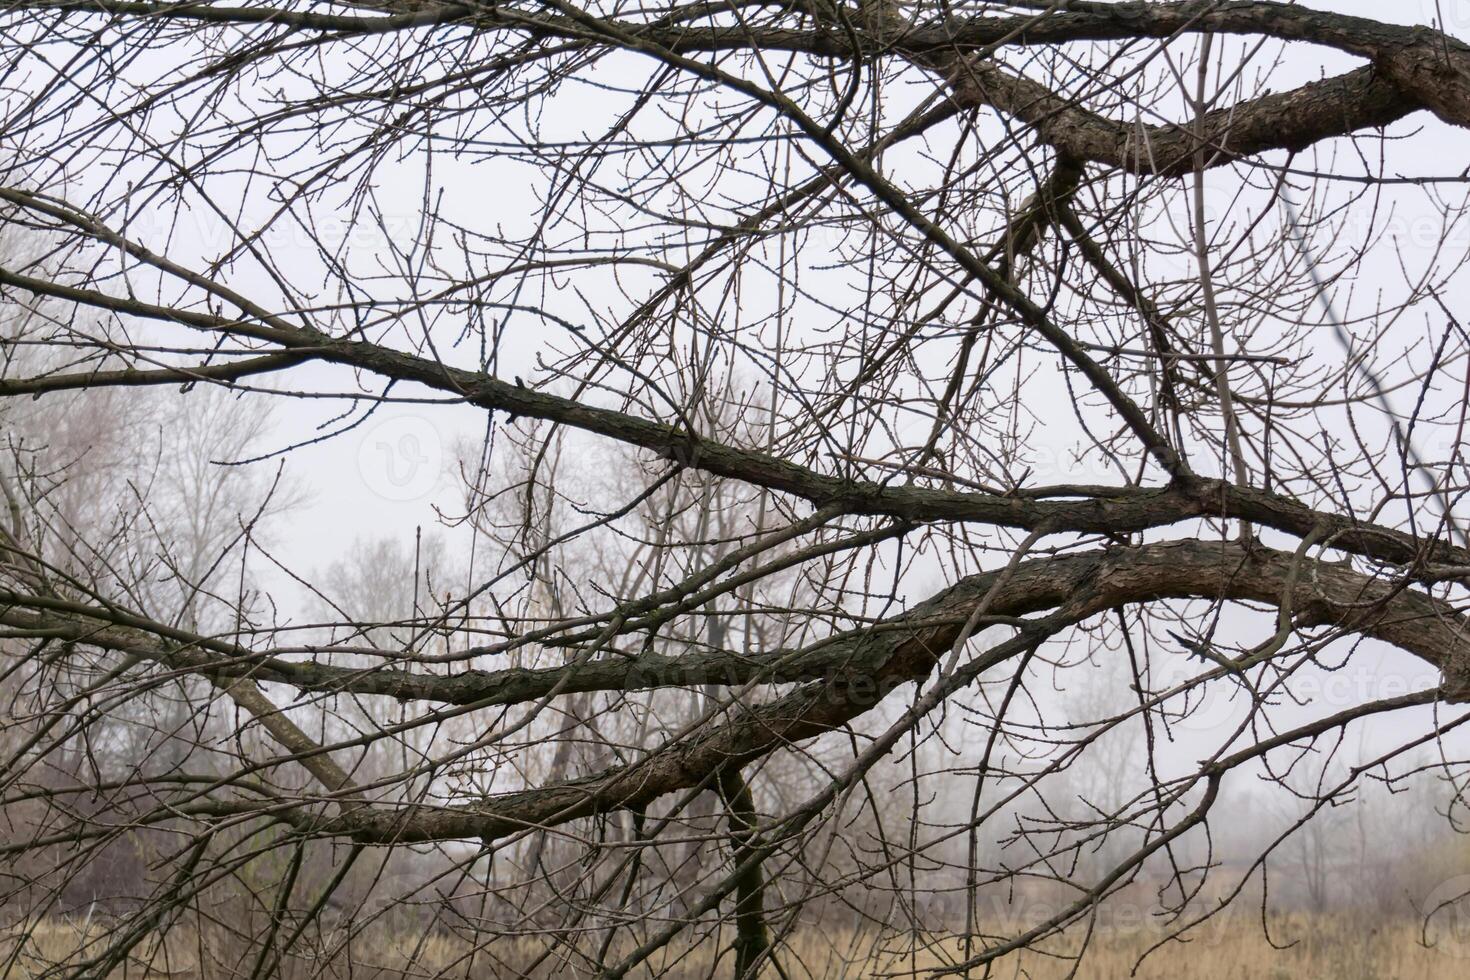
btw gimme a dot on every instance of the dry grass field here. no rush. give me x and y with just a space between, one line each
1316 948
1321 948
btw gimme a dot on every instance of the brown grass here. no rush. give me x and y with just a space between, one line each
1317 948
1320 947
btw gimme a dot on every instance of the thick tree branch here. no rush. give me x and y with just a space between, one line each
1104 511
859 670
1413 67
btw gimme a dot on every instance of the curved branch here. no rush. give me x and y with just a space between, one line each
859 670
1294 120
1413 67
1103 511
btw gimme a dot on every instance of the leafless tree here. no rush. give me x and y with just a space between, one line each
835 382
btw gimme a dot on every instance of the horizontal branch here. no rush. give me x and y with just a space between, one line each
1124 510
1412 68
1080 21
222 373
858 670
1081 586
